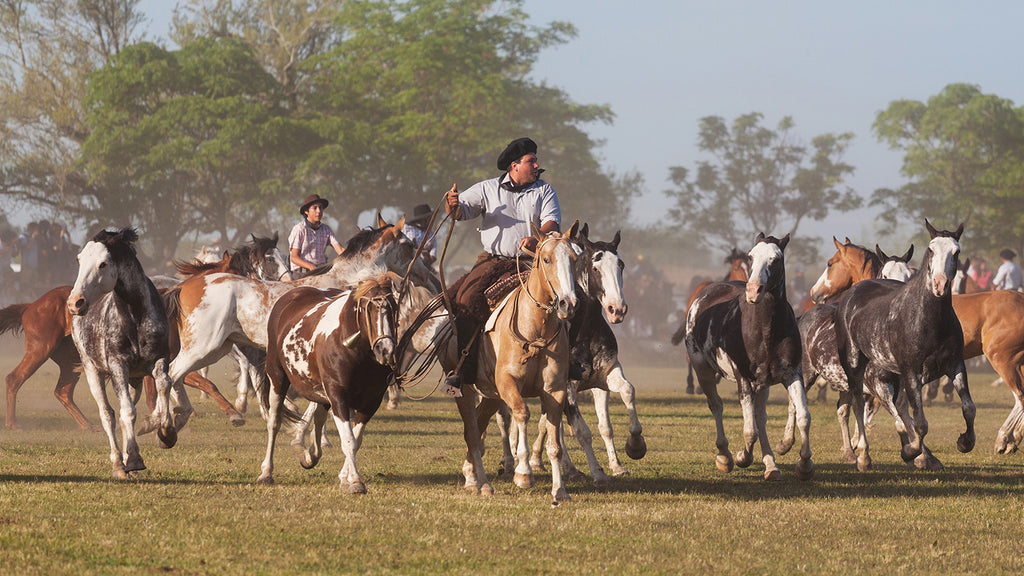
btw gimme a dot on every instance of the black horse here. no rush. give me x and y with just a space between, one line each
906 335
748 334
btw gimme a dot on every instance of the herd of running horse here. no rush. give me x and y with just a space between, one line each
377 317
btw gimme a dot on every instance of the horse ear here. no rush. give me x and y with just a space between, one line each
959 231
380 220
224 255
839 246
784 242
759 238
848 241
585 230
400 225
574 229
615 241
536 231
931 229
910 254
881 255
252 236
967 264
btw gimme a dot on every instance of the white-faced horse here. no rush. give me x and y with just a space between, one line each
120 329
748 334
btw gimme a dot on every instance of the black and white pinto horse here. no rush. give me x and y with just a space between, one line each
748 334
120 329
600 302
906 335
821 360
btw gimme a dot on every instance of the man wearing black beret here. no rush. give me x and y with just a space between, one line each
507 206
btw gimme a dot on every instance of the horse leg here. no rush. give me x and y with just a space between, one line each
394 393
196 380
503 418
636 446
1009 368
843 416
99 393
166 432
552 404
523 476
709 386
66 357
33 359
348 478
311 455
689 378
473 466
132 460
798 399
585 438
760 421
864 460
244 384
958 377
536 464
278 385
299 436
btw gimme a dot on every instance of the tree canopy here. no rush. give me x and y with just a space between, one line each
760 180
964 158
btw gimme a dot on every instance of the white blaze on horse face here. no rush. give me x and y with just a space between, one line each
609 268
283 273
762 255
96 276
943 267
822 286
895 270
562 282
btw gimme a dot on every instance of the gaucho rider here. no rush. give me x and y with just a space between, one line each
509 204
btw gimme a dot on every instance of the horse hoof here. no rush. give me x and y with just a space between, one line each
391 406
537 466
850 456
356 488
772 475
724 463
908 454
864 464
636 447
307 461
965 443
487 490
167 437
805 469
600 479
524 481
236 420
265 481
744 458
119 473
147 426
689 389
575 475
561 496
619 471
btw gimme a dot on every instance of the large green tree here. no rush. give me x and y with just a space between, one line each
964 160
760 180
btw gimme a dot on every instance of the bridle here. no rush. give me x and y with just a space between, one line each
385 304
549 308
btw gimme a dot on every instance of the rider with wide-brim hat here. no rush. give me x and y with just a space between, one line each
507 206
308 239
1008 276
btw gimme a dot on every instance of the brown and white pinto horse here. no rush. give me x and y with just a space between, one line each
906 335
524 352
336 349
748 333
739 271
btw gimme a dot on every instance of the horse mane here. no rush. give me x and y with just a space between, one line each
196 266
118 241
367 285
363 240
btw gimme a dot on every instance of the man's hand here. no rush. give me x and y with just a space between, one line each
528 244
451 202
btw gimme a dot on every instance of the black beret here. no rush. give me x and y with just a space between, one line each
515 150
1007 254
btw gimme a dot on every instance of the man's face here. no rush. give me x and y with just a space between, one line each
314 213
525 170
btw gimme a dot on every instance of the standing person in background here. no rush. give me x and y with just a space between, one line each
1009 276
416 229
507 206
983 275
308 240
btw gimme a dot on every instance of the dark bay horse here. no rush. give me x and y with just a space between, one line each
599 303
906 335
119 327
47 327
748 333
739 271
336 349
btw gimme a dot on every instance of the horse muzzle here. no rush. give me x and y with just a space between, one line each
77 305
565 307
615 314
384 352
754 292
939 285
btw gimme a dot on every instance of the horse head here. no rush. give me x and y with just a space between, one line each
940 260
603 277
398 253
555 260
100 267
895 267
849 265
269 262
377 313
739 265
767 267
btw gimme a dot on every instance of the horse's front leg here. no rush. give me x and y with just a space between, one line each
636 446
552 400
132 459
745 456
760 418
166 433
585 439
958 376
798 399
503 419
709 386
348 478
99 393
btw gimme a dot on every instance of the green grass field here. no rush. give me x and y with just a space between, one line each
196 509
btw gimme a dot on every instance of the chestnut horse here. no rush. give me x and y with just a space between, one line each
739 271
748 334
119 327
336 349
47 327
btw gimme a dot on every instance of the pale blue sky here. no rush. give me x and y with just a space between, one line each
661 66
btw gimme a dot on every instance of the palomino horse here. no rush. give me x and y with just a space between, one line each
47 327
524 353
906 335
336 349
739 271
599 296
820 358
748 334
119 327
214 312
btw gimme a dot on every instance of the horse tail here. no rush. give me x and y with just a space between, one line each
172 302
10 318
679 334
